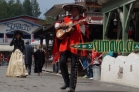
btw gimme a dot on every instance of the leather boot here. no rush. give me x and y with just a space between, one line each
64 87
71 90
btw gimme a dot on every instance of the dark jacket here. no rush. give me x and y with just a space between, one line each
39 60
29 51
18 44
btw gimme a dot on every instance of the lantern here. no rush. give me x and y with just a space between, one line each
115 20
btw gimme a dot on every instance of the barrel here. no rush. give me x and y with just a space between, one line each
96 72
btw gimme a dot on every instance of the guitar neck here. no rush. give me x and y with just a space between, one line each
76 23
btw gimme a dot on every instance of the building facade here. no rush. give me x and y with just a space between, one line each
24 23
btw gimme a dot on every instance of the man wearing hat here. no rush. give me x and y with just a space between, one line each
29 51
63 48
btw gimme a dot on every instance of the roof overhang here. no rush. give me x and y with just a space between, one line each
39 29
43 30
115 4
57 9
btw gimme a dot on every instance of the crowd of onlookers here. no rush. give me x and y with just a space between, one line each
94 59
4 59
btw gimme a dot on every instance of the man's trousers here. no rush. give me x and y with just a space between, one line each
28 67
64 68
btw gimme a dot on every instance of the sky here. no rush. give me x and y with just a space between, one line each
47 4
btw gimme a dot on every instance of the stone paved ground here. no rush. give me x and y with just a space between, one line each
48 82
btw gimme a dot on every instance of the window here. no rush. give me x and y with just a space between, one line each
1 35
36 37
27 36
9 35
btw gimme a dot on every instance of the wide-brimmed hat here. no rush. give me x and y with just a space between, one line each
68 7
18 32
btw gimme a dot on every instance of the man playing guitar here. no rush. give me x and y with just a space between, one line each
77 36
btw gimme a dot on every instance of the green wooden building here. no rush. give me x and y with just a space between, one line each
120 19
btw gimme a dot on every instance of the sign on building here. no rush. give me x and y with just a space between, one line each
18 24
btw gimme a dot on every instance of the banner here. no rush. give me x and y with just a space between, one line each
32 38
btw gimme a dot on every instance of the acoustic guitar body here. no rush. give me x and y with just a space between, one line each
62 33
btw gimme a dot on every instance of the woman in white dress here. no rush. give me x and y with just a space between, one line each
16 67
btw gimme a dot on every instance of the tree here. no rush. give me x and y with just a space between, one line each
15 8
35 8
1 1
27 7
49 20
19 8
10 8
3 9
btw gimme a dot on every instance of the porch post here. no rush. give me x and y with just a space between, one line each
46 49
125 18
4 40
107 17
47 44
41 40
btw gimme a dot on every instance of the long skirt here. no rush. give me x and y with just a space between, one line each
38 67
16 67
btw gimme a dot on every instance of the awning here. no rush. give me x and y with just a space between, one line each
46 29
35 31
6 48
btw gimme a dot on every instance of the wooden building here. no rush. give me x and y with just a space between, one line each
26 24
95 19
121 19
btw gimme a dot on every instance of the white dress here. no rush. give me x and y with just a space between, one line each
16 67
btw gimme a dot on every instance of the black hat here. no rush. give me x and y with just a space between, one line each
18 32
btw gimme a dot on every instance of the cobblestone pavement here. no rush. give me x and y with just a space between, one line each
48 82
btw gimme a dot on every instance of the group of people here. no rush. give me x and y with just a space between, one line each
21 59
94 58
61 48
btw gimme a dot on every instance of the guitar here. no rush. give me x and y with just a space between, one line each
61 33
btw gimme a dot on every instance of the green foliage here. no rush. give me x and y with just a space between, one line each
49 20
35 8
27 7
3 9
12 8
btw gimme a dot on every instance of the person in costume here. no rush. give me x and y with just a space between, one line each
16 67
39 60
29 51
62 47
